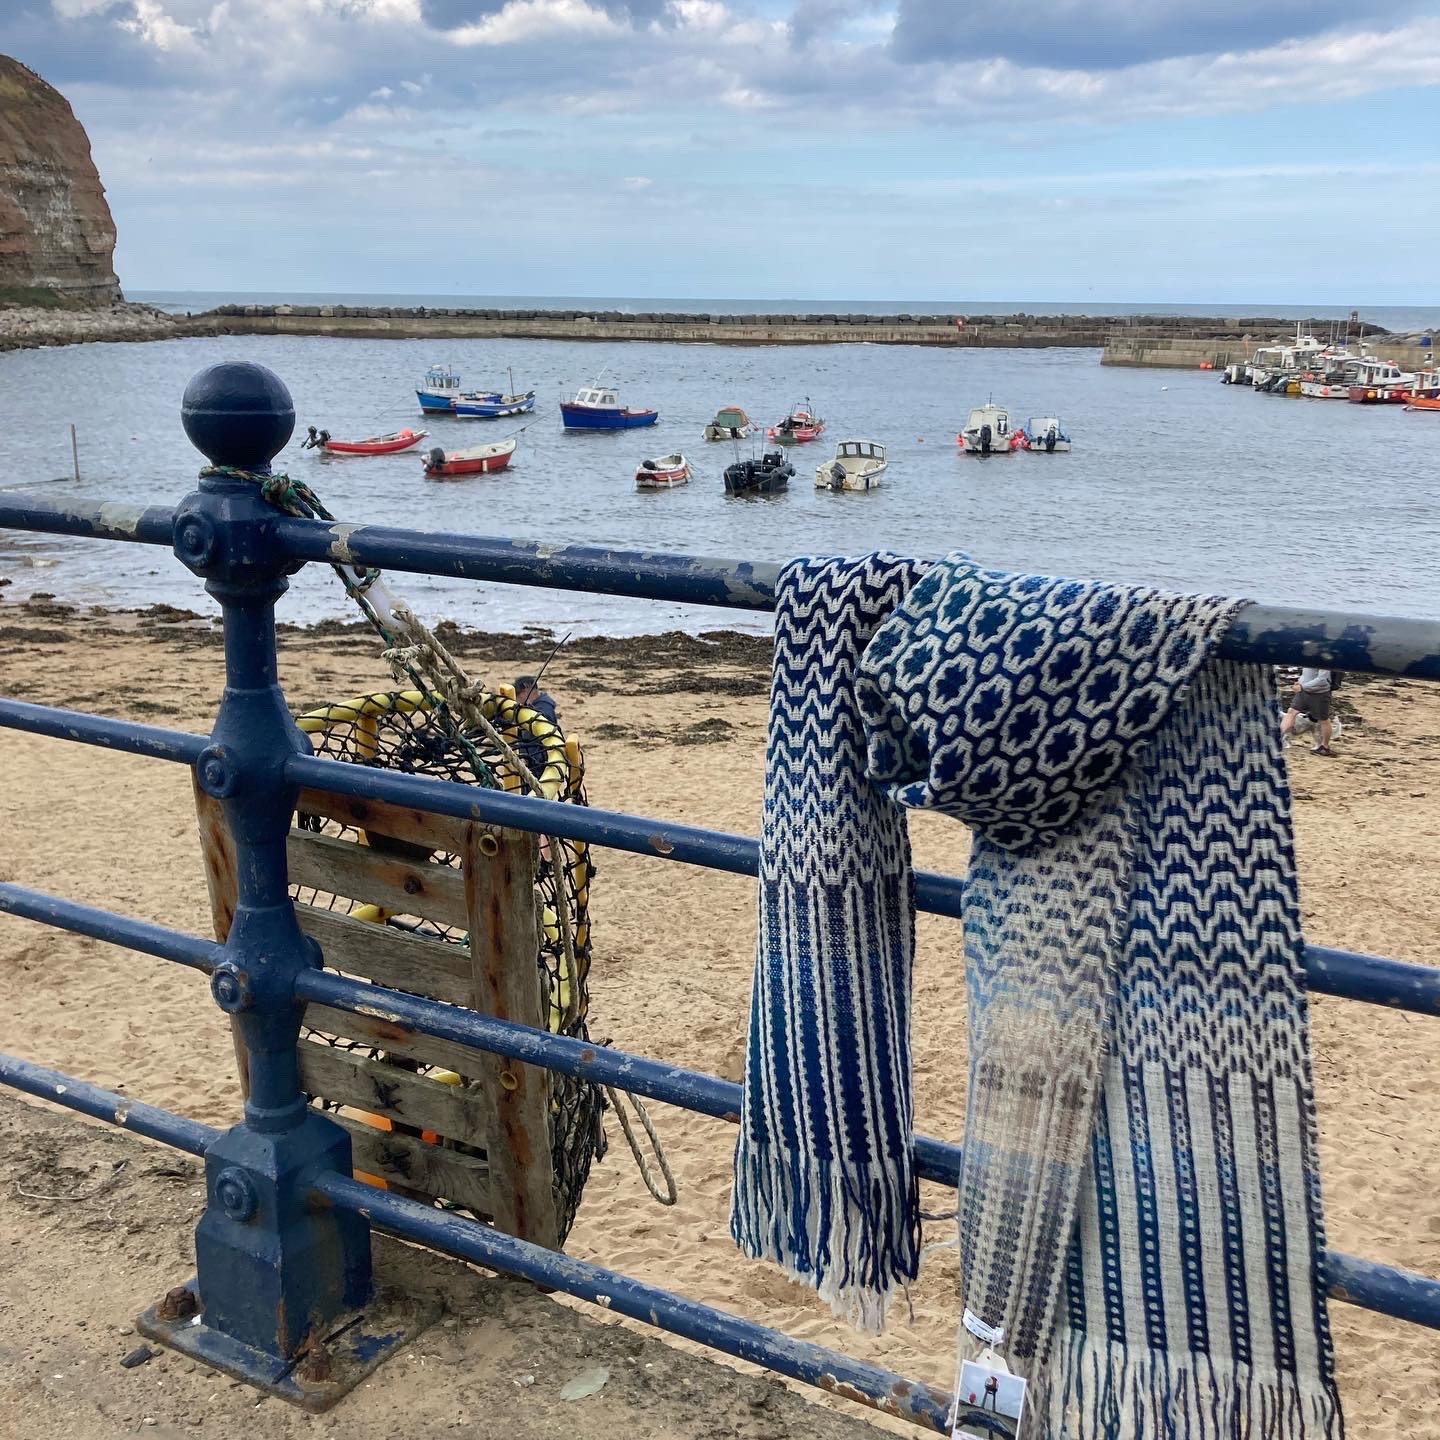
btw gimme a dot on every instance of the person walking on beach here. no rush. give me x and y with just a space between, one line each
1311 698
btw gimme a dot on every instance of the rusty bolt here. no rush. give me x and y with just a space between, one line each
178 1304
412 885
316 1365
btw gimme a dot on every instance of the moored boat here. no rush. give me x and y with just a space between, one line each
492 405
1380 382
799 427
439 389
598 407
477 460
391 444
1427 385
857 465
1045 434
987 431
768 475
1423 402
663 472
730 423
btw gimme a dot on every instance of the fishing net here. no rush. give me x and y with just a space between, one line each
415 732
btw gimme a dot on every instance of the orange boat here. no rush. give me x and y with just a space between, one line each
1423 402
391 444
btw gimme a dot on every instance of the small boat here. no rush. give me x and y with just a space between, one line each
376 445
598 407
730 423
477 460
768 475
858 465
1044 433
987 431
1423 402
799 427
1380 382
439 390
662 473
1426 386
492 405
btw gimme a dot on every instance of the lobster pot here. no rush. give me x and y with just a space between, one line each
461 912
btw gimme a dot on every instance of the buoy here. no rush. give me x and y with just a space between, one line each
1164 387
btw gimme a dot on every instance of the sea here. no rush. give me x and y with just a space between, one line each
1174 479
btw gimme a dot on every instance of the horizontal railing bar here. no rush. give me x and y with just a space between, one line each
1262 634
148 1120
799 1359
1372 978
79 725
95 520
142 935
1386 1289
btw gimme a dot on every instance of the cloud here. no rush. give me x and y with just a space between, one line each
1113 34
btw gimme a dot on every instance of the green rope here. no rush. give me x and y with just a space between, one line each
296 498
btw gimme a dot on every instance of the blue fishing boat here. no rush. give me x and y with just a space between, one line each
598 407
491 405
439 390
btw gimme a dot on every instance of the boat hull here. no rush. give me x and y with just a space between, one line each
590 417
758 477
800 435
391 445
433 403
493 410
661 479
974 445
1423 402
855 483
440 465
1324 390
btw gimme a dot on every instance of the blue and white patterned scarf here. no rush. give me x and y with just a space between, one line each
1139 1199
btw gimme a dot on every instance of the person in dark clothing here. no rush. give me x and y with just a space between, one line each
528 692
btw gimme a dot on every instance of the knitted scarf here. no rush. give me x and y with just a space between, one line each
1139 1201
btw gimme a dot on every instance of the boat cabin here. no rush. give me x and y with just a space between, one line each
1372 371
859 450
599 398
440 378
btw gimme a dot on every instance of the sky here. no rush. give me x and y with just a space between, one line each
1232 151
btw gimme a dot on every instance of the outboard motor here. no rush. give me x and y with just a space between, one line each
837 476
1050 438
437 458
984 439
647 465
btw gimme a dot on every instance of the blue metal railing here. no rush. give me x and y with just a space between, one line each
284 1172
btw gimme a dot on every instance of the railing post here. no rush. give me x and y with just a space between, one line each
275 1272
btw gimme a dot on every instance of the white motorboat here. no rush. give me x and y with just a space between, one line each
857 465
987 431
1046 434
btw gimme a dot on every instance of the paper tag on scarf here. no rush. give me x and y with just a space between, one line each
990 1402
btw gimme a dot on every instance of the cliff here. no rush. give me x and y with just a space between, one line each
56 234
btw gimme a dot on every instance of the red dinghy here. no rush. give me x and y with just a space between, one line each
478 460
375 445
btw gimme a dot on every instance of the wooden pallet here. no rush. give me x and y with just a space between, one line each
484 1145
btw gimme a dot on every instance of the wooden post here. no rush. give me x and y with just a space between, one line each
499 870
218 852
75 450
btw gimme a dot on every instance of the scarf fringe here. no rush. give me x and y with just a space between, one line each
853 1238
1100 1388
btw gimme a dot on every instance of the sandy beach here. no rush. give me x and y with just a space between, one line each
674 727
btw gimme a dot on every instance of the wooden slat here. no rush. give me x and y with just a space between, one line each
499 879
408 1161
342 867
355 1079
435 832
421 965
382 1035
218 852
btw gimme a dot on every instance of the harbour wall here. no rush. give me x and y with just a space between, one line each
1190 353
972 331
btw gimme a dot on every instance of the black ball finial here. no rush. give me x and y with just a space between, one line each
239 414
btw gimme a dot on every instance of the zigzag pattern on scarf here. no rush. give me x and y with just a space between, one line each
823 1181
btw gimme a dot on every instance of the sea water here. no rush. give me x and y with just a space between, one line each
1175 479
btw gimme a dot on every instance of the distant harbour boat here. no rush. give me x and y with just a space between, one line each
477 460
439 390
768 475
1045 434
664 472
857 465
598 407
987 431
392 444
799 427
493 405
730 423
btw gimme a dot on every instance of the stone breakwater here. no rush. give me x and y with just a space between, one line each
1021 331
26 327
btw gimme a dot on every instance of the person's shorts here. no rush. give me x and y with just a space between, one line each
1314 703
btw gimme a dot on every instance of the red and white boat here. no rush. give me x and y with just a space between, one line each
664 472
801 425
477 460
1380 382
391 444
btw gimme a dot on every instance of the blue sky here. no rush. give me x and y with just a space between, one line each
1128 150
